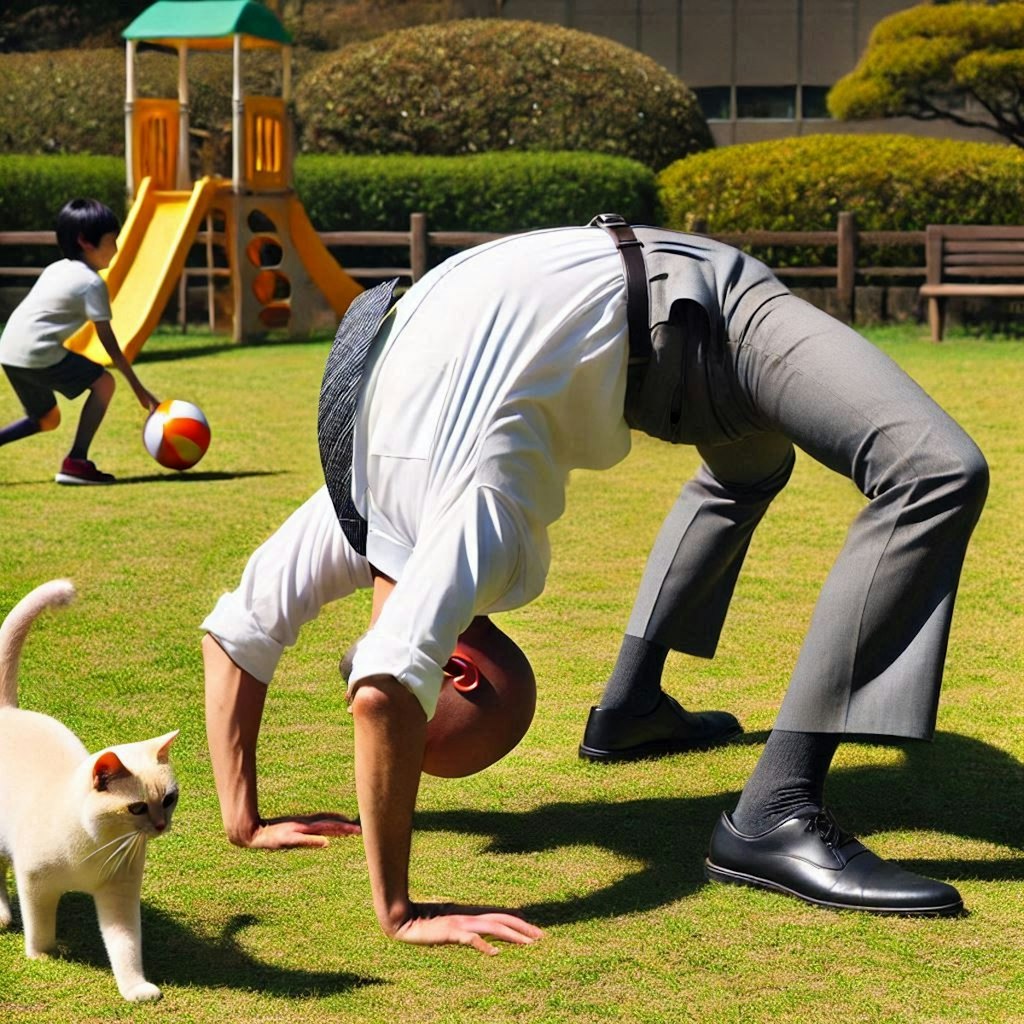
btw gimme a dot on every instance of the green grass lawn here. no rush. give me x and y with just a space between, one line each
606 859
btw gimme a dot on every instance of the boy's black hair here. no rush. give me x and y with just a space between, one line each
83 218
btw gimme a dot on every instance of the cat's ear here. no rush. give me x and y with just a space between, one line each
106 767
163 744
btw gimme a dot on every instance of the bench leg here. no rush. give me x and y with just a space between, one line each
936 317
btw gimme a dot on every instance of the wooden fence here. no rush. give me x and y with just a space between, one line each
846 241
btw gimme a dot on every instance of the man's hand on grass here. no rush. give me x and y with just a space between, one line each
437 924
301 830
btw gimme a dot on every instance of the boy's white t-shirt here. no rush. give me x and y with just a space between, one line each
66 295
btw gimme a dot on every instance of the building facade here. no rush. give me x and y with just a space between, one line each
761 69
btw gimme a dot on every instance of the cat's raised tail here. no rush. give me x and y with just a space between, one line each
16 626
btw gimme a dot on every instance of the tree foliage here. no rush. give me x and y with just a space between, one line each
959 62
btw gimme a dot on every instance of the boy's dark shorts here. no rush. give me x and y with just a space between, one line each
35 385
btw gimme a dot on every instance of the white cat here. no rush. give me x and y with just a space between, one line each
74 821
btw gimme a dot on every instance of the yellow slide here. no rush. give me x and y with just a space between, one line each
334 284
152 247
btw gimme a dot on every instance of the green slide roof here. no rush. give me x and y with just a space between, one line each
208 24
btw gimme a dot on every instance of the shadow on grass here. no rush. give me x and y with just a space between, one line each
159 352
192 476
957 785
196 476
174 955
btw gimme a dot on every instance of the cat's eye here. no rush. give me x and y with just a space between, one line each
139 808
171 798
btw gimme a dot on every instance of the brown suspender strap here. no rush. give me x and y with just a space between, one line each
637 303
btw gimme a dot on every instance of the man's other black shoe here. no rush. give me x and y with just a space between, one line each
668 729
810 857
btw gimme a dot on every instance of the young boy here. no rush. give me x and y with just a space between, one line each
66 295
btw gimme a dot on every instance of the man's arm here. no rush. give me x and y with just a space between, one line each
109 342
234 711
390 733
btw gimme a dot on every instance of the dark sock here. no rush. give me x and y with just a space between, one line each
789 778
635 682
18 429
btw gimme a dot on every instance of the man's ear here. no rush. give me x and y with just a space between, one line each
106 767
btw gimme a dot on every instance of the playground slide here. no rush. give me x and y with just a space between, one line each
152 248
334 284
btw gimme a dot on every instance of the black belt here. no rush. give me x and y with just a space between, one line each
637 304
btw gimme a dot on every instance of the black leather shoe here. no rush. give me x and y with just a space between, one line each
810 857
668 729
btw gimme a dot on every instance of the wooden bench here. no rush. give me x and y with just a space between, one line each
970 260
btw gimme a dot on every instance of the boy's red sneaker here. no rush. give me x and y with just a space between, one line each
81 471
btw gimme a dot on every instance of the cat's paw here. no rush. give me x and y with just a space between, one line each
5 916
37 954
143 992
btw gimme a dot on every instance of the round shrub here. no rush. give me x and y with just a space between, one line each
491 84
891 182
72 101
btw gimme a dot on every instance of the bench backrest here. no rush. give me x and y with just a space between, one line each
983 252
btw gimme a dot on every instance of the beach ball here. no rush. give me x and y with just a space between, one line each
176 434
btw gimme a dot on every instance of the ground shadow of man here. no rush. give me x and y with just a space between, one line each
980 799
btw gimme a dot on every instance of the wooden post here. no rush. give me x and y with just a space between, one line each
182 300
286 74
846 263
933 275
237 114
129 118
418 245
183 172
211 306
288 128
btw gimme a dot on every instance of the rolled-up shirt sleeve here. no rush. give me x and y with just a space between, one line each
477 557
304 565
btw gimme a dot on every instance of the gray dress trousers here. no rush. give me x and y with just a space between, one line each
745 371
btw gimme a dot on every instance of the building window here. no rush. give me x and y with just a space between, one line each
766 102
715 102
814 101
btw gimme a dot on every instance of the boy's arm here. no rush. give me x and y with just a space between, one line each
109 342
390 733
234 710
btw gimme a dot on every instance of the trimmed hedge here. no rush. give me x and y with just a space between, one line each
501 192
486 192
34 188
491 84
891 182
